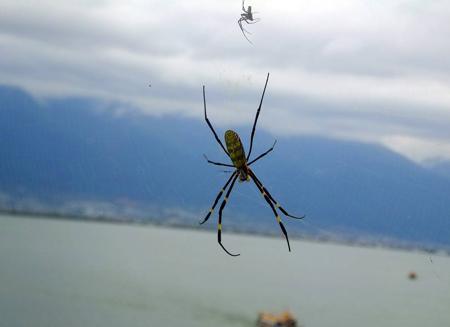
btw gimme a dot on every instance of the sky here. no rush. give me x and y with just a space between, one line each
362 70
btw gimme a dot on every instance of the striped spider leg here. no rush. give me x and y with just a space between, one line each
241 164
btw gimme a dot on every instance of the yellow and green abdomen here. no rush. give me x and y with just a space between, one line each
235 149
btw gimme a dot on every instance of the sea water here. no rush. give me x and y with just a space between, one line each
74 273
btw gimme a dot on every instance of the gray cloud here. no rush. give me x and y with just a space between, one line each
372 71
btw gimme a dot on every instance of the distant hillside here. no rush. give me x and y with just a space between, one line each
74 152
439 166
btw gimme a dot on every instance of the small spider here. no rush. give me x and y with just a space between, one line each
241 164
247 16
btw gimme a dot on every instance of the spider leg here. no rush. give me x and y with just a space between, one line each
217 163
243 30
210 126
240 24
251 21
277 205
243 7
266 197
217 198
262 155
247 31
219 226
247 37
256 118
243 19
242 27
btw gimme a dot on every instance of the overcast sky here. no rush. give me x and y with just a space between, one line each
372 71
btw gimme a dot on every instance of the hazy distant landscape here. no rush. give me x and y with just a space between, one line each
82 157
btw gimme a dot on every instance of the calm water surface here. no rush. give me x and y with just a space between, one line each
68 273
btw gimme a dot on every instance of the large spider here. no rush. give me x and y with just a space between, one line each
247 16
235 151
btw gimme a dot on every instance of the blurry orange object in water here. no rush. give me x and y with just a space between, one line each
285 319
412 275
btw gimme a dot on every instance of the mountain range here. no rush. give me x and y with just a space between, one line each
88 157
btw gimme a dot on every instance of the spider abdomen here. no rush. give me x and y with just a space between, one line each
235 149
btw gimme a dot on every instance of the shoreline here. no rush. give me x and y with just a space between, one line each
363 242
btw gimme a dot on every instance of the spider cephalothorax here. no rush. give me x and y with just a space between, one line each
235 151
